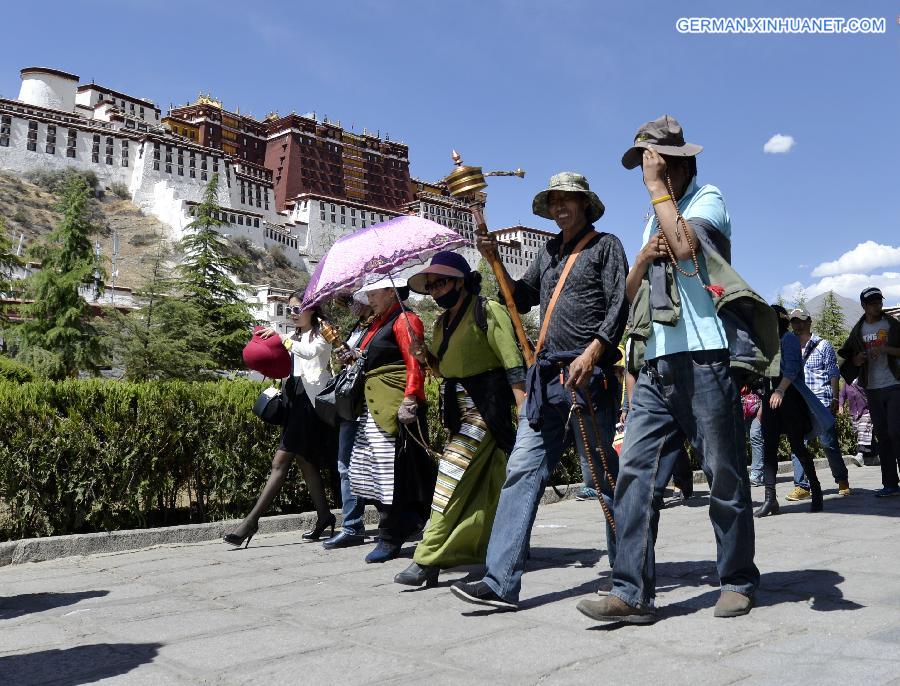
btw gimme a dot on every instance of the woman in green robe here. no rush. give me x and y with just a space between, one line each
474 351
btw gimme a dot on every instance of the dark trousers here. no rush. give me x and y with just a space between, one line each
884 406
791 419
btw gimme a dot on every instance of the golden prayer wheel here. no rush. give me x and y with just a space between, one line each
466 182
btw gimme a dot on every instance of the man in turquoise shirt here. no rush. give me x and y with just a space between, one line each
684 390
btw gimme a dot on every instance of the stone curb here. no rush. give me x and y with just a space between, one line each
54 547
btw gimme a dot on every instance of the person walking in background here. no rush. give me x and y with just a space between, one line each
821 374
304 437
792 410
751 404
871 354
852 401
473 349
353 528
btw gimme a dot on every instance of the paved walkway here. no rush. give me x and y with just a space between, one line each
286 611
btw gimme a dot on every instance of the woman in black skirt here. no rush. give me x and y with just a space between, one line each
791 409
303 436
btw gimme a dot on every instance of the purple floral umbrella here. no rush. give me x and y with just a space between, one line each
383 249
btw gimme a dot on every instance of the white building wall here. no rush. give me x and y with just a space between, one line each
43 89
18 158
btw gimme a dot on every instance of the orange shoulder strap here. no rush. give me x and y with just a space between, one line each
570 262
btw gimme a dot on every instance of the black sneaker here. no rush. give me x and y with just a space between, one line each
480 593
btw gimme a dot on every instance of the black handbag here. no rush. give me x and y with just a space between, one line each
271 407
342 398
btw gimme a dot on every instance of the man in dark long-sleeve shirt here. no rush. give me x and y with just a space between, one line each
573 363
593 304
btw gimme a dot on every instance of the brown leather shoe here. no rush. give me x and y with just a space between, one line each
613 609
733 604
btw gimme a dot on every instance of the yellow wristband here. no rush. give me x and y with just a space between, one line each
660 199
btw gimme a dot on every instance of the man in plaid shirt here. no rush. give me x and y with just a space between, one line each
822 376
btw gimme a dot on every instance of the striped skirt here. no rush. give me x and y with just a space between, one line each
471 473
372 462
863 427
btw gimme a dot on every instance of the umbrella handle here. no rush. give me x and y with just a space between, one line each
500 274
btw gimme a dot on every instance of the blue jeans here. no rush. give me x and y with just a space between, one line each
756 449
534 457
352 507
683 396
829 443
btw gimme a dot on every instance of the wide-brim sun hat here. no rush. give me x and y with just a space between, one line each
568 182
445 263
663 135
386 282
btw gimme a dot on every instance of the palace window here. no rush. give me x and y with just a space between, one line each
5 130
168 168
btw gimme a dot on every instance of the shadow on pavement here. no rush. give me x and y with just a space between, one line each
820 586
545 558
861 501
80 665
19 605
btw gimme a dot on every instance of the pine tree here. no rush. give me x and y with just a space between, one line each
800 301
205 282
58 330
830 322
8 264
166 338
780 300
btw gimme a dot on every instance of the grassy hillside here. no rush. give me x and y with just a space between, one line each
29 209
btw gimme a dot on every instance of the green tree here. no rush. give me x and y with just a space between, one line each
58 334
489 287
780 300
167 338
8 264
830 322
800 300
204 279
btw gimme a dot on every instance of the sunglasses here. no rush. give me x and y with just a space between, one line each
295 309
437 284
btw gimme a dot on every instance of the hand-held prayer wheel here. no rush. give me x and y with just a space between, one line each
466 183
331 334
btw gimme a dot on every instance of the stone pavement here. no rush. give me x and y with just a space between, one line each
287 611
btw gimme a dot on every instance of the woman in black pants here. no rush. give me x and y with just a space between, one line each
790 408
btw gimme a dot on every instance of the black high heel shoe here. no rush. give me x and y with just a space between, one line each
238 541
321 525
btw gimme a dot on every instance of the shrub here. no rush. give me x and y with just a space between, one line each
10 370
55 180
120 190
92 455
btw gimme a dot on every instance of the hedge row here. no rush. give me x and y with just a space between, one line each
92 455
79 456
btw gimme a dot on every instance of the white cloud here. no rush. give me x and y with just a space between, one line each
779 143
863 258
849 285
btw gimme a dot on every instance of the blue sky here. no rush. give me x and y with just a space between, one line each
547 86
